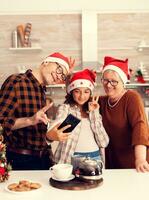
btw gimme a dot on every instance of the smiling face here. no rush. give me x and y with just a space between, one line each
81 95
112 84
53 73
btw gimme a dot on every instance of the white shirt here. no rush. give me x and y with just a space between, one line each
86 141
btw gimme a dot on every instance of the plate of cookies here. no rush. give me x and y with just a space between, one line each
22 186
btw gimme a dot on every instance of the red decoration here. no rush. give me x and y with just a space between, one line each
2 171
139 76
4 167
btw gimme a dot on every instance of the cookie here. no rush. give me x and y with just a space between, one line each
35 185
12 186
23 186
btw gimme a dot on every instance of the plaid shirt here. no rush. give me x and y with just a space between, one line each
66 149
21 95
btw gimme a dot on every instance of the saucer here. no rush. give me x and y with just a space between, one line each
64 180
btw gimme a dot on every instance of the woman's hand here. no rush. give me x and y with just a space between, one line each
56 134
142 165
93 104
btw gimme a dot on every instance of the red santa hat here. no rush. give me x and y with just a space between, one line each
84 78
119 66
58 58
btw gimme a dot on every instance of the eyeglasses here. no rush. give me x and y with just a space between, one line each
112 82
59 71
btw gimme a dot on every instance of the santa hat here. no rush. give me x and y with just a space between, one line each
58 58
119 66
84 78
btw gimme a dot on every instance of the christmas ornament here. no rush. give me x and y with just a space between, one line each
139 76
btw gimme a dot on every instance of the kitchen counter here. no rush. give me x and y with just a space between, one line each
118 185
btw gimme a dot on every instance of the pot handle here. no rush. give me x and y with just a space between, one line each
101 163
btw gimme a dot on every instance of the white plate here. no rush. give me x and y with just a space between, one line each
23 192
64 180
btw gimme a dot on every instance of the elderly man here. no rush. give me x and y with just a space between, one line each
23 113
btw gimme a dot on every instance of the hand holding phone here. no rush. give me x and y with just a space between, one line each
72 120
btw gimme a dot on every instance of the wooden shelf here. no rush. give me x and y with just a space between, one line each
136 85
142 48
116 48
56 86
25 49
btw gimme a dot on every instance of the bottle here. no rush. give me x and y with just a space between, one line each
14 39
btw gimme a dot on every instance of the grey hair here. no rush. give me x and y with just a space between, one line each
110 70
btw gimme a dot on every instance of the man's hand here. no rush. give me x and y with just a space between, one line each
40 116
71 64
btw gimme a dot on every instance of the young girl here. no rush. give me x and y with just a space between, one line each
89 137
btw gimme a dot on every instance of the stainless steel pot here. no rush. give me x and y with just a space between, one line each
87 168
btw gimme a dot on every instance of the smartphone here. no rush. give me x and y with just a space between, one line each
72 120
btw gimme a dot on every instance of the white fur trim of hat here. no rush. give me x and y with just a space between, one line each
57 60
122 75
80 83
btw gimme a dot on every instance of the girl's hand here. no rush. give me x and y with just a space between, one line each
56 134
93 104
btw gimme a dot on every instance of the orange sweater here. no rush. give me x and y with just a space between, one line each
127 126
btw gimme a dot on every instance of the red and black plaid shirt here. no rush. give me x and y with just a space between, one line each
21 95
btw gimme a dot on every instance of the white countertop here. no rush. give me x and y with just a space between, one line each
118 185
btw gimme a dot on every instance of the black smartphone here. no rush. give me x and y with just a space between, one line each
72 120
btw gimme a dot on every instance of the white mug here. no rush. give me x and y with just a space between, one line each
61 171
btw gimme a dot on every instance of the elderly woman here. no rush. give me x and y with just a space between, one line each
124 119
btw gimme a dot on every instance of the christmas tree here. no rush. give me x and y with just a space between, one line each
4 167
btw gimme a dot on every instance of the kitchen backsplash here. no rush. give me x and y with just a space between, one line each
51 33
125 35
119 35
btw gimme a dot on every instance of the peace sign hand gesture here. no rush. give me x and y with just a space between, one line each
40 116
71 64
93 104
